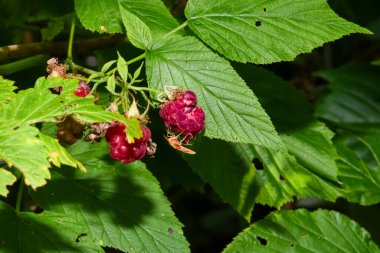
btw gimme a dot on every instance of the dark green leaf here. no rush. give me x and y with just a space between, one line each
121 206
302 231
266 31
46 232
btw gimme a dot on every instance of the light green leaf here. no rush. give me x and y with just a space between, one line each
58 155
311 145
54 28
105 68
6 178
21 148
31 106
266 31
122 67
45 232
67 85
359 167
282 178
105 15
227 168
302 231
6 90
354 97
137 31
232 110
111 84
121 206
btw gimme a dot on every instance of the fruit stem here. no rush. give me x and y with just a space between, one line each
136 59
183 25
80 68
143 89
71 39
19 195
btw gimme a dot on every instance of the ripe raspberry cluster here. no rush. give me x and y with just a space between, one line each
183 116
123 151
82 90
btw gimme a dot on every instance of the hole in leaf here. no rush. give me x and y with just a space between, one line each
258 164
170 231
292 245
258 23
304 234
262 241
80 236
282 178
265 9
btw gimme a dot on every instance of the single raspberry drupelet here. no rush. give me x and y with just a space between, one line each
123 151
182 116
82 90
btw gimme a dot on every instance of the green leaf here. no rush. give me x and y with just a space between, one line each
121 206
58 155
111 84
283 178
54 28
6 178
354 97
45 232
303 232
295 111
137 31
360 178
122 67
21 148
232 110
6 90
227 168
105 68
100 15
313 148
31 106
266 31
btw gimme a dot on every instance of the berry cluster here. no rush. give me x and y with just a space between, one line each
182 116
123 151
82 90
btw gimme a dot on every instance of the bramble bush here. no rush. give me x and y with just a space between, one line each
115 115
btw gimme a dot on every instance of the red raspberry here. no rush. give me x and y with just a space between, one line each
82 90
182 116
188 98
123 151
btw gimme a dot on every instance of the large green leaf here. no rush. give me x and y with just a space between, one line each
232 110
31 106
58 155
359 167
138 33
121 206
302 231
46 232
21 148
354 98
6 178
313 148
227 168
287 108
266 31
106 15
283 178
6 90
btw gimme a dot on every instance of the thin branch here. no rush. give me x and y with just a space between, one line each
56 48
